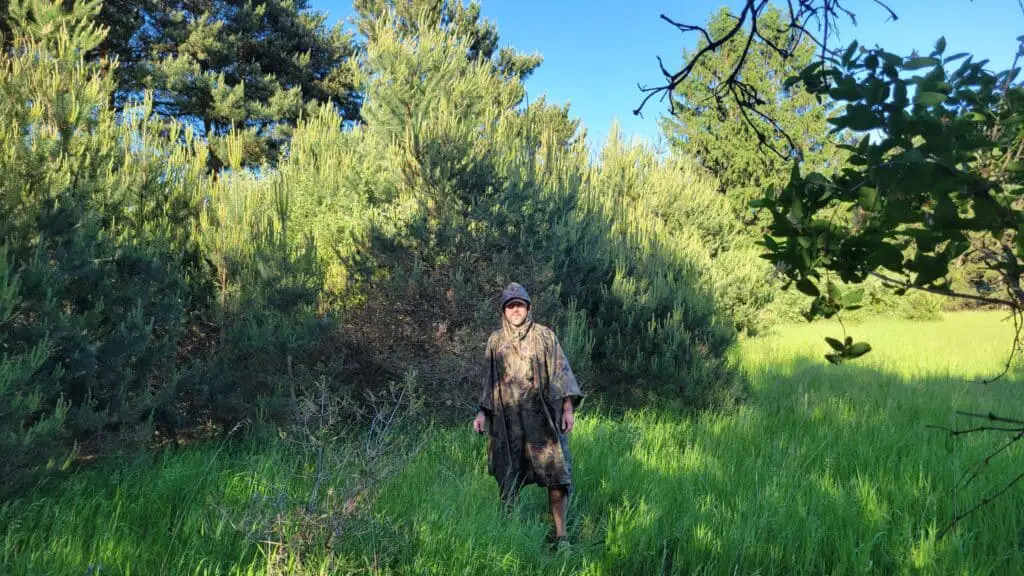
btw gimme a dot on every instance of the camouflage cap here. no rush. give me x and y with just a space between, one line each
514 291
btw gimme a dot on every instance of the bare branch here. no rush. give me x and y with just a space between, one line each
892 282
974 472
800 15
954 432
762 139
1012 274
677 78
892 15
802 28
850 15
981 504
688 28
782 52
991 417
746 47
1018 328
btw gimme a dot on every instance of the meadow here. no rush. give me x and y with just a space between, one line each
822 470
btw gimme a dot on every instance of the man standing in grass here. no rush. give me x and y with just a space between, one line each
528 399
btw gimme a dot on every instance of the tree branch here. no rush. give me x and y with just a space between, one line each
675 79
892 15
761 138
688 28
800 15
892 282
782 52
984 502
954 432
974 471
1012 274
1018 327
991 417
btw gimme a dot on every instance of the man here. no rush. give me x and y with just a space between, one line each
528 399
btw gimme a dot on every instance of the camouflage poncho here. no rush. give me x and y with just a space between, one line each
527 379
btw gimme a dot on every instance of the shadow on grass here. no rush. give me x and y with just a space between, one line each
826 470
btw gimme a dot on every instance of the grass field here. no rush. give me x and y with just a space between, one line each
826 470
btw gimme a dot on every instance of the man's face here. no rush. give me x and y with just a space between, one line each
515 312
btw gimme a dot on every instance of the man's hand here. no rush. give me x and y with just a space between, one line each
478 422
567 416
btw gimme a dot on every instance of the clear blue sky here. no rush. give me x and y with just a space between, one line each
596 52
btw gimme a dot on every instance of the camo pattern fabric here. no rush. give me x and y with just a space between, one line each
527 379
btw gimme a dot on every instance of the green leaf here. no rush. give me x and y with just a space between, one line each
807 287
940 45
890 59
846 89
853 297
797 208
888 256
945 213
899 96
876 91
929 269
861 118
920 62
848 55
835 344
834 358
986 215
834 292
857 350
867 197
929 98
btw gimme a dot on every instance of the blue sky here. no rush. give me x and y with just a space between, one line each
596 52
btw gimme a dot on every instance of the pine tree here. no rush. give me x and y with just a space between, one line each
95 245
250 66
720 138
454 17
229 64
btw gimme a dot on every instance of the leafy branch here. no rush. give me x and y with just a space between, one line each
936 175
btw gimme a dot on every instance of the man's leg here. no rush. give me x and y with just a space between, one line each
558 496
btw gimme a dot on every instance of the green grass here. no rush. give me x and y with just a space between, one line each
827 470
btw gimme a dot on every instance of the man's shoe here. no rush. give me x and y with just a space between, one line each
559 544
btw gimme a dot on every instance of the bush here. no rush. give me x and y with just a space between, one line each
96 243
450 190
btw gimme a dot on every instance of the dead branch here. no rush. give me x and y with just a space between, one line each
801 14
981 504
974 471
894 283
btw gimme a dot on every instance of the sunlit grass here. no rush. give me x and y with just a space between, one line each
826 470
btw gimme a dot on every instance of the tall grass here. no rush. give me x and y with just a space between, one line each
826 470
